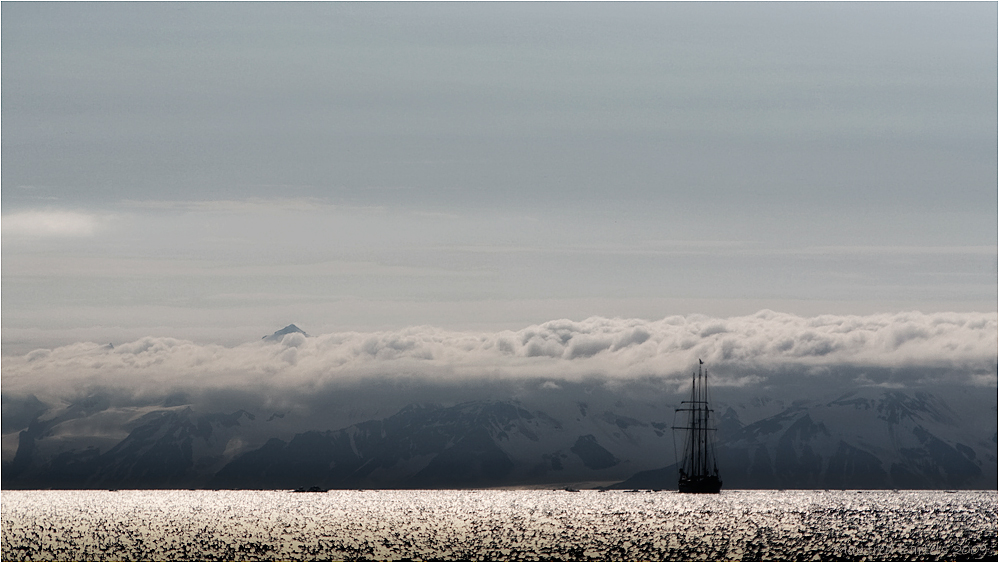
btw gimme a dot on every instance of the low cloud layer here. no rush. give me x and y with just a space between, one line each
903 348
49 224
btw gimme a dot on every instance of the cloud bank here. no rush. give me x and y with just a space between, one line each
958 347
47 224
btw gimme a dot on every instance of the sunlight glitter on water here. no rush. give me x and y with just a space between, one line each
498 525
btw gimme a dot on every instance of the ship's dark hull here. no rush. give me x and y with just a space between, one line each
708 484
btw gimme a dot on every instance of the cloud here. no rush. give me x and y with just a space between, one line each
895 250
63 266
49 224
247 205
901 348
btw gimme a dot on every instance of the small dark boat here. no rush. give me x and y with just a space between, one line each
699 469
312 489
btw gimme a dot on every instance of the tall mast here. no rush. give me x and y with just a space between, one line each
704 420
701 462
693 424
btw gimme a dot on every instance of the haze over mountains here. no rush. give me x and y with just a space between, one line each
892 401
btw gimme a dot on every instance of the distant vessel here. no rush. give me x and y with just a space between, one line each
698 470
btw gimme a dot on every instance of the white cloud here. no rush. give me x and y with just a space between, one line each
248 205
50 224
750 349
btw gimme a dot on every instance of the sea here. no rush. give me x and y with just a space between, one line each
497 525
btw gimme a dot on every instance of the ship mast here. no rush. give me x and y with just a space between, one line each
695 427
697 424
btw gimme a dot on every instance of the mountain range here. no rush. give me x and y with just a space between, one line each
864 438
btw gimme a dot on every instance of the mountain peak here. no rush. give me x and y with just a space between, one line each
286 330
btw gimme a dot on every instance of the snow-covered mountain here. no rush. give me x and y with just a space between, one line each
278 335
865 438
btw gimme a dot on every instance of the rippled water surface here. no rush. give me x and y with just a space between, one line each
498 525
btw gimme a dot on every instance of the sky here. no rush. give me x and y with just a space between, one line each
207 173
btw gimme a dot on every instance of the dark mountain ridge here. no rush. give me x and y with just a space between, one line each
866 439
279 334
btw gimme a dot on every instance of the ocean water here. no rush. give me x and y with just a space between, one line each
498 525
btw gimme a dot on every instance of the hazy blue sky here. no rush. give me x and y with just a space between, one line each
216 171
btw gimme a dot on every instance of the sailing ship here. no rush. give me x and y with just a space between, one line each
698 470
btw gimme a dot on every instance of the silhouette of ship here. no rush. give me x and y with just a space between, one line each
698 470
